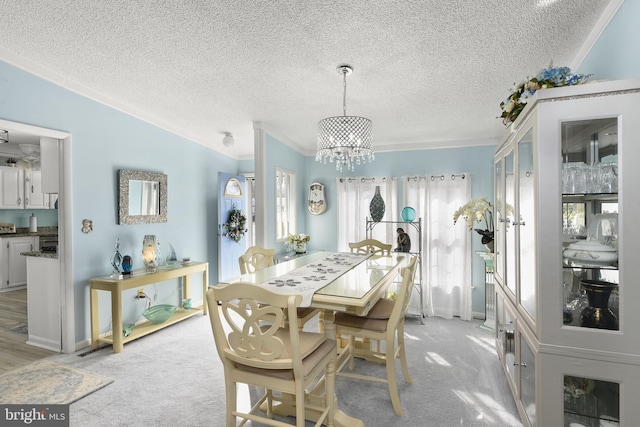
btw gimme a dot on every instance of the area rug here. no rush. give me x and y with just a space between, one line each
45 382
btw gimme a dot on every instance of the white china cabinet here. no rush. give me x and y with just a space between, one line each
567 260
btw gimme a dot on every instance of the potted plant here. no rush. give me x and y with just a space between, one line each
478 211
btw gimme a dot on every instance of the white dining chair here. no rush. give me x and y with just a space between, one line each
384 322
269 356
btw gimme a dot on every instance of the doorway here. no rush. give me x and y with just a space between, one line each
64 224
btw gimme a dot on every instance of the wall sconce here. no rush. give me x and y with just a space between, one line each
150 253
228 140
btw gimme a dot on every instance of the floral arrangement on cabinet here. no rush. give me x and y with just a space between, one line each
478 211
236 225
298 242
520 94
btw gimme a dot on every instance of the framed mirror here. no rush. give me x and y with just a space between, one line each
142 197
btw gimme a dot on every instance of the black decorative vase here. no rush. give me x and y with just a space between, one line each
376 207
598 314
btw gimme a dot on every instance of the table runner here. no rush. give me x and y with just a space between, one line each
306 280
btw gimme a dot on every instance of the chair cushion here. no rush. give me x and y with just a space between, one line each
308 363
309 342
375 320
382 309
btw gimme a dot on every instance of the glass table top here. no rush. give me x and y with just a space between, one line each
354 283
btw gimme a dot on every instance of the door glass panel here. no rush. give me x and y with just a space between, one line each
510 345
590 224
525 225
528 380
500 326
510 238
590 402
498 181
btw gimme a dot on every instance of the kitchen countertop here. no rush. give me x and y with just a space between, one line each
40 254
24 231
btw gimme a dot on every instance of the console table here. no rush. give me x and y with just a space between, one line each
138 279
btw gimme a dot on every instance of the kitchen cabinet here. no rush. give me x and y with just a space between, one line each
11 188
33 196
22 189
13 266
565 204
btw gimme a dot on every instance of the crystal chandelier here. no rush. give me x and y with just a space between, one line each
344 139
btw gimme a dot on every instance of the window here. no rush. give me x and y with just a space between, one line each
250 206
285 204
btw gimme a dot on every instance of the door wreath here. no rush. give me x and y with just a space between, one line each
236 225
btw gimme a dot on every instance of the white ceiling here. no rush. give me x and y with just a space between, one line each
428 73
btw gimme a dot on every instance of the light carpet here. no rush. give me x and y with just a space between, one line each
174 377
47 382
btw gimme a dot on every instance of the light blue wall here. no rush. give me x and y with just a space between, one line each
282 156
616 56
103 141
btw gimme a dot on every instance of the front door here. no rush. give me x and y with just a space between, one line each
232 231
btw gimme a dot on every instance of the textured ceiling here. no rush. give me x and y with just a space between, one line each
428 73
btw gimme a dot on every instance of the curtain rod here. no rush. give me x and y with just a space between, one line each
363 179
434 177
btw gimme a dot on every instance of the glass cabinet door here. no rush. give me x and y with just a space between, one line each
528 380
525 225
510 235
591 402
498 181
590 224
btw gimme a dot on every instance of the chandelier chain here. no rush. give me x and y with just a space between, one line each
344 93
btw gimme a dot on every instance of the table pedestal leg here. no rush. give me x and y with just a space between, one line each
288 409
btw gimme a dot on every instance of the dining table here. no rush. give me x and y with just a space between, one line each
354 290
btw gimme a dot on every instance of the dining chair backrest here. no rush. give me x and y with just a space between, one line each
403 296
250 341
269 356
370 246
256 258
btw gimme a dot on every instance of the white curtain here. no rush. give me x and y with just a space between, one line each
446 260
354 197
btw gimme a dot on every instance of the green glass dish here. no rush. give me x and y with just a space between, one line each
159 313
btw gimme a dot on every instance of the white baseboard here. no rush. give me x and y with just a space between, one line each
480 315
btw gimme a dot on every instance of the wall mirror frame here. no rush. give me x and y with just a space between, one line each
142 197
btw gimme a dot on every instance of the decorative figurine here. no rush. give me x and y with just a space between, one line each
404 241
87 226
116 259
